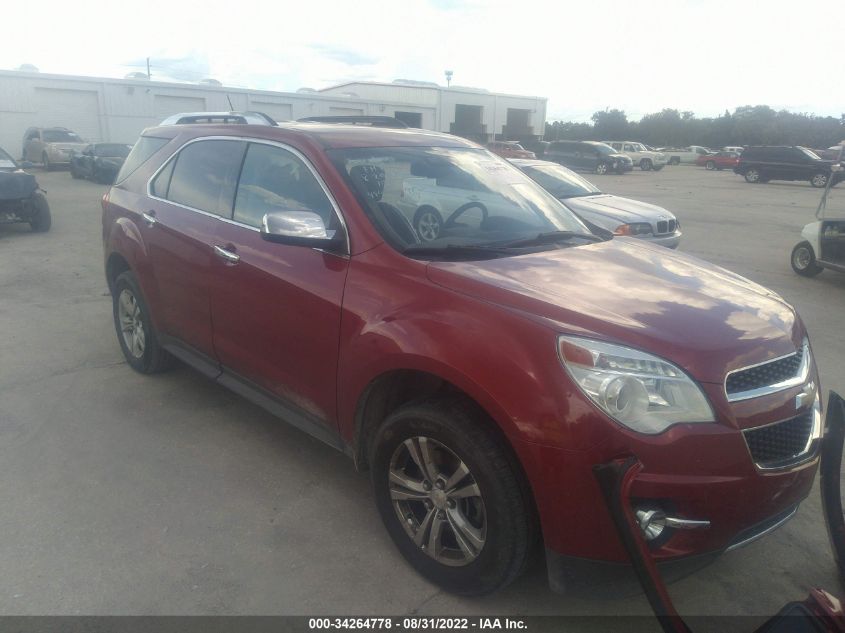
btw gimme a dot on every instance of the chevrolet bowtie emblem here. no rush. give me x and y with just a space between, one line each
808 394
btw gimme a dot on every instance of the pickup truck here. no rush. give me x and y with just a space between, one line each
685 154
647 159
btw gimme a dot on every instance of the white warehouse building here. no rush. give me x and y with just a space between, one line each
117 110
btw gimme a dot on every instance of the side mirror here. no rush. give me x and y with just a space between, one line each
299 228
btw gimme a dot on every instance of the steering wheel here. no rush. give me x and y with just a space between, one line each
451 220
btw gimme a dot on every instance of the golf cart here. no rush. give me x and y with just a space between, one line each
820 612
824 240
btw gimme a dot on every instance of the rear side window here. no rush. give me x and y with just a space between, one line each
206 174
161 183
274 180
141 152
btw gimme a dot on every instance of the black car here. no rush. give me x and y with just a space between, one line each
99 162
21 199
588 156
768 162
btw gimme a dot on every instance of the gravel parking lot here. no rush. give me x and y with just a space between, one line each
126 494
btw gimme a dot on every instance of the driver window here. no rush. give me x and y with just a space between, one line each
274 180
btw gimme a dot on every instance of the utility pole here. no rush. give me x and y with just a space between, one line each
149 76
448 78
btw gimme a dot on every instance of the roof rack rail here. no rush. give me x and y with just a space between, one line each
372 121
239 118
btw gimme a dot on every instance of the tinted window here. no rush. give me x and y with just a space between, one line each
141 152
274 180
161 183
206 174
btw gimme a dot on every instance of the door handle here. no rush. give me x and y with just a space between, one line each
229 256
150 218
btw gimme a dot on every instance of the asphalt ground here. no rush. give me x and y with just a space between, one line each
127 494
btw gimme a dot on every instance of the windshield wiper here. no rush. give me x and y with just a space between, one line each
463 251
547 238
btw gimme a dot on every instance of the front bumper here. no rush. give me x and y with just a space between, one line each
670 240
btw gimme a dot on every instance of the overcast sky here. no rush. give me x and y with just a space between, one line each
703 56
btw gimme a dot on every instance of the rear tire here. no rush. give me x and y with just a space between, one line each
803 260
675 160
602 169
710 165
645 164
138 340
752 176
484 538
41 220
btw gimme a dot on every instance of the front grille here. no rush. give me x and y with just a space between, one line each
763 375
666 226
780 444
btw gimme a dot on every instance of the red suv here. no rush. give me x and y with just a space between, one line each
479 375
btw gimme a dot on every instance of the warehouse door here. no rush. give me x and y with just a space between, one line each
276 111
468 122
411 119
518 127
77 110
166 105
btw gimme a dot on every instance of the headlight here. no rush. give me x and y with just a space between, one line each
642 392
635 228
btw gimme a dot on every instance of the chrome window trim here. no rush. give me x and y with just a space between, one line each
248 139
799 379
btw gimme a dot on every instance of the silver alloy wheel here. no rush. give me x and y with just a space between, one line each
437 501
601 169
819 180
131 325
428 226
752 175
802 257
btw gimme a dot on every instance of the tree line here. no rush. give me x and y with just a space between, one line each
748 125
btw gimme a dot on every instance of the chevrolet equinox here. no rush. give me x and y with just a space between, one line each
478 376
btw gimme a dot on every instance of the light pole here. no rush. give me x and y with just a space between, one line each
448 78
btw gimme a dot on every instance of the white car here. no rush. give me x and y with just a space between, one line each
678 155
640 154
620 216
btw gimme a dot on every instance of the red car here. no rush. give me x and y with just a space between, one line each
478 376
509 149
719 160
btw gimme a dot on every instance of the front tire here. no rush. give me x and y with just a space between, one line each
428 223
602 169
819 180
803 260
451 498
710 165
138 340
41 220
645 164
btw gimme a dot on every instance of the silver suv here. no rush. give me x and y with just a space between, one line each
51 146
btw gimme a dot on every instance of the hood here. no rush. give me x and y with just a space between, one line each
700 316
617 208
16 185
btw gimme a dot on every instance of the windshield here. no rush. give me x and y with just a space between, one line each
111 150
812 155
6 161
451 201
559 181
61 136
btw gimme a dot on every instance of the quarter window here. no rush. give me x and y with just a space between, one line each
206 174
274 180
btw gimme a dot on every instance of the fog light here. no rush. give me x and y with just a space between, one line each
652 523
